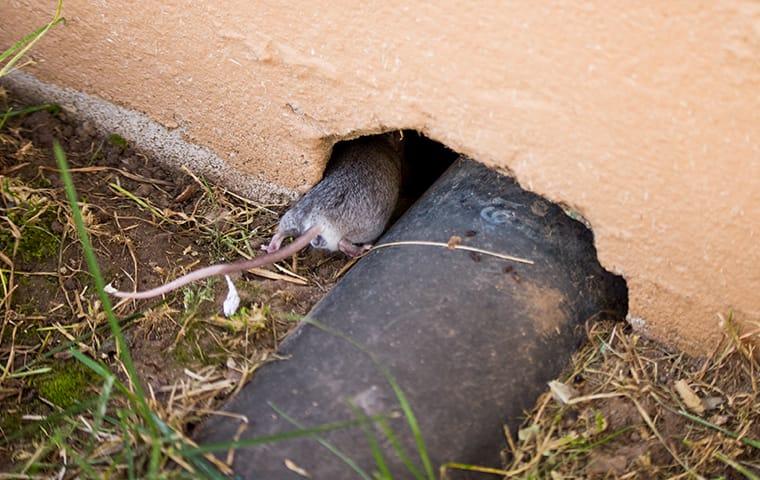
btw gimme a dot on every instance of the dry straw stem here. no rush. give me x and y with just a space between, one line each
450 246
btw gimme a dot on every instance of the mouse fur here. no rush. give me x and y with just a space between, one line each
354 200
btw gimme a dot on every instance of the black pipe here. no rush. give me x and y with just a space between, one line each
471 339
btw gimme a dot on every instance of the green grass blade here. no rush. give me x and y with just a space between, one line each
49 420
374 445
129 455
411 419
69 344
92 265
20 48
122 349
205 468
329 446
399 449
5 118
414 426
736 466
50 107
105 397
591 446
93 365
21 43
277 437
29 373
747 441
139 201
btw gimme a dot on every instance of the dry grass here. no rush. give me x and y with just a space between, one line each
66 389
627 419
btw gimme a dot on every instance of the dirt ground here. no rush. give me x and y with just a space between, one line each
625 411
148 225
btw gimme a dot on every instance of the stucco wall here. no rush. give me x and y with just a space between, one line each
642 116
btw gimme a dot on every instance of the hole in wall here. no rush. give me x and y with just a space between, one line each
425 160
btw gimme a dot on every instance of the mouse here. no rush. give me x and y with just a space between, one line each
346 211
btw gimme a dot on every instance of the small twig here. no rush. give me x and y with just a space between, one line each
97 169
471 468
260 272
454 247
596 396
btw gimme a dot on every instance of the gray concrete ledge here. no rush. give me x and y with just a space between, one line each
167 146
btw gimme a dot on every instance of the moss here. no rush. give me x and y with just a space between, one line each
187 352
183 351
36 243
41 182
66 384
118 141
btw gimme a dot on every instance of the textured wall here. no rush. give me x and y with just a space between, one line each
642 116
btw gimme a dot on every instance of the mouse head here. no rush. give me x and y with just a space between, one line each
295 223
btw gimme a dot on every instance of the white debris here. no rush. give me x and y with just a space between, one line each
232 302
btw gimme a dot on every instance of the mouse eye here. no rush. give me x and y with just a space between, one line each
318 242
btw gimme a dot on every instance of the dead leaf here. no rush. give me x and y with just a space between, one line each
719 419
527 433
692 401
188 192
453 242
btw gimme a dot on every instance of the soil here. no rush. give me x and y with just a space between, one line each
147 223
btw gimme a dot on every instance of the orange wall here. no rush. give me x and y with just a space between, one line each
641 116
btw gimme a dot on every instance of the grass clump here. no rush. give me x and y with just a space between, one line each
76 394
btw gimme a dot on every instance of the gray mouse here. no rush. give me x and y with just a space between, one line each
354 201
347 210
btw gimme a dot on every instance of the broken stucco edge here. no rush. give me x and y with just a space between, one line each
166 146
